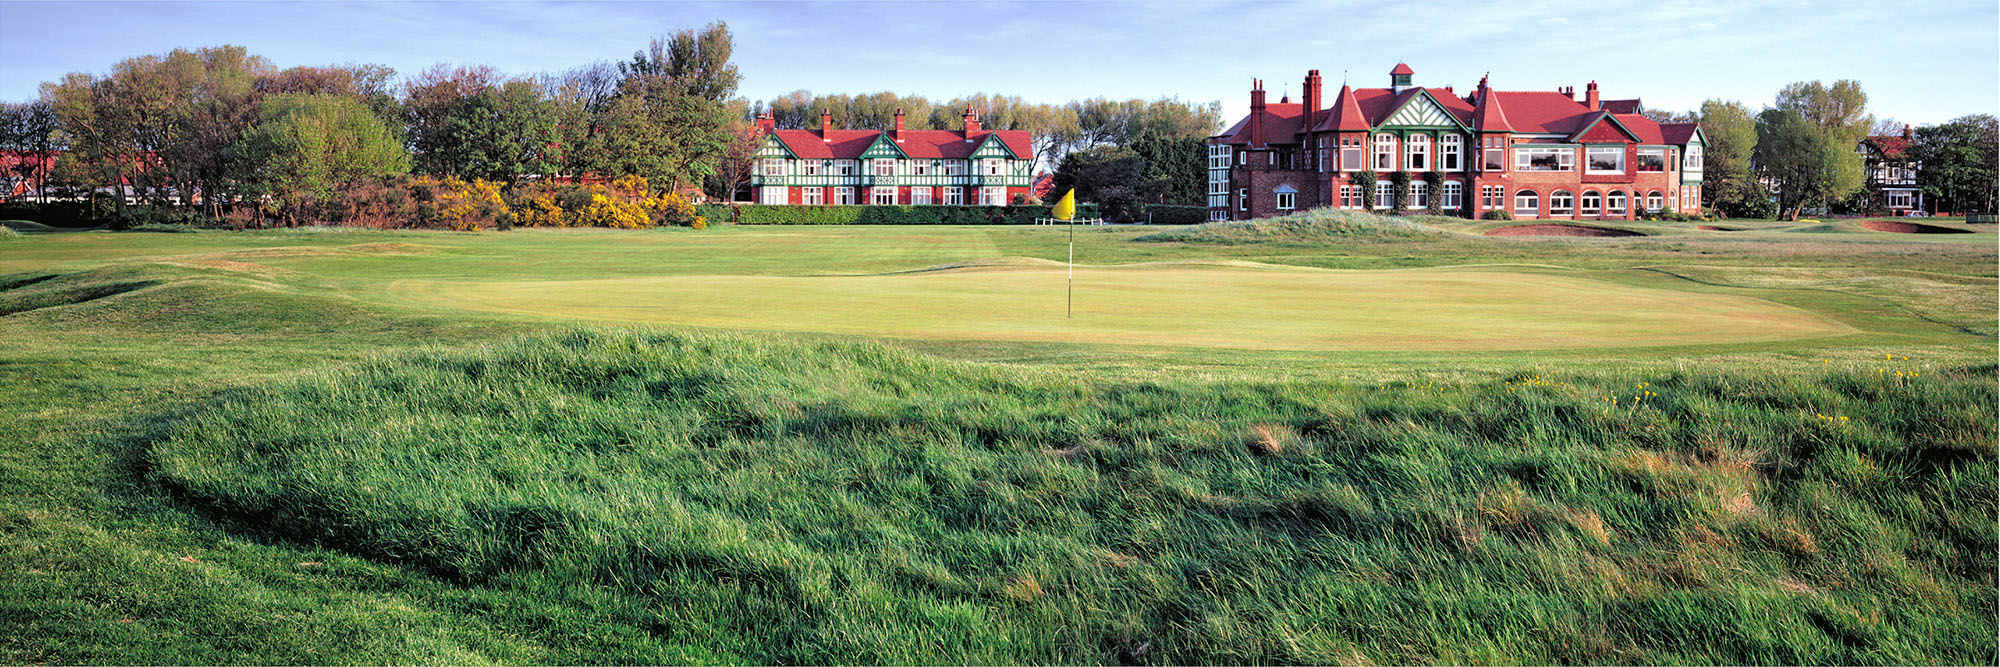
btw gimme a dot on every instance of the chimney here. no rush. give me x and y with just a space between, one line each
826 125
1568 91
766 123
1590 100
898 134
1256 112
1908 134
1311 94
971 120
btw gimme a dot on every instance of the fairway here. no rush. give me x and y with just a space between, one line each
1186 304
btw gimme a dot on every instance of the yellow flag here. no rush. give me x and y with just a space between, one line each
1066 209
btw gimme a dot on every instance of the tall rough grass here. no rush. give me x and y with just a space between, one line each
1319 224
855 503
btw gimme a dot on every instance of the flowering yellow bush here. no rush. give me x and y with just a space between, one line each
539 209
625 203
465 206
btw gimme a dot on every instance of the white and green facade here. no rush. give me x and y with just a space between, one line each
898 166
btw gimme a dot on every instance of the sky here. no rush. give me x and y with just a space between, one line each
1919 62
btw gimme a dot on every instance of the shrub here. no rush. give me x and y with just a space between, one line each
896 215
1497 214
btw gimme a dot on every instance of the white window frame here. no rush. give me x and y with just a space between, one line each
954 196
1591 154
1644 153
995 166
920 196
878 193
1533 207
1420 194
774 196
1417 152
1385 152
1692 159
920 167
954 167
885 166
844 167
1524 158
1243 199
1495 158
1614 203
1352 157
1287 200
1385 195
1562 202
810 167
843 196
1591 203
1897 199
1492 198
1654 202
1451 196
1451 153
812 196
774 166
993 195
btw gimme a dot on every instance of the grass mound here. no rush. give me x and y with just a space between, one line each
734 500
1320 224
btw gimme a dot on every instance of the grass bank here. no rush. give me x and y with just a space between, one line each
841 502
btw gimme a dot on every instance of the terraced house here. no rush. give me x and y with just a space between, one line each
972 166
1535 154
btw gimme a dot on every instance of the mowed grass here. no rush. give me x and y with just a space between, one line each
256 447
1241 306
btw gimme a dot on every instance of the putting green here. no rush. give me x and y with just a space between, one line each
1252 307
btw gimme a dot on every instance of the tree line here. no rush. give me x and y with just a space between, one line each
1799 153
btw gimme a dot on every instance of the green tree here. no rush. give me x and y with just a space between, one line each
1806 140
307 148
1956 164
1727 184
671 122
1176 168
1109 176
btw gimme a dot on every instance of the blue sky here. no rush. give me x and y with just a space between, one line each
1919 62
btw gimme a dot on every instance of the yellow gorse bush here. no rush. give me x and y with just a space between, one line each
625 203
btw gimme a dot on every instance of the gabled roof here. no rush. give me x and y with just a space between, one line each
952 144
1888 146
1680 133
1282 123
1584 130
1364 108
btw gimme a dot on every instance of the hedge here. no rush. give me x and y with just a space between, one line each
754 214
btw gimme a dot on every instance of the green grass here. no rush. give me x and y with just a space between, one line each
274 447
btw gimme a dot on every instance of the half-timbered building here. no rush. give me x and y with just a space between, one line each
970 166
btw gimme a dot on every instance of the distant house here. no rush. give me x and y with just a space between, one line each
1892 175
1535 154
973 166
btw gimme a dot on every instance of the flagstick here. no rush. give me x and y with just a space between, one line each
1069 294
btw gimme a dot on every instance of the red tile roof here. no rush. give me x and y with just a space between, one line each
1623 106
849 144
1677 133
1282 123
1402 69
1888 146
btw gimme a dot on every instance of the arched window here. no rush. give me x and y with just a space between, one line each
1385 152
1451 148
1673 200
1654 201
1450 197
1614 203
1560 202
1418 147
1591 202
1527 204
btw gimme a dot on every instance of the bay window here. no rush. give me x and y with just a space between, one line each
993 196
1606 160
1652 159
811 196
920 196
1385 153
1450 148
1496 154
1693 160
882 196
1350 153
1544 159
954 196
772 196
1417 152
843 196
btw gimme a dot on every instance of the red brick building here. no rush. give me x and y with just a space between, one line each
1535 154
972 166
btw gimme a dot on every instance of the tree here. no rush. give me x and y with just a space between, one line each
1110 176
697 62
1956 164
31 132
1806 140
306 148
1727 184
669 122
1178 166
